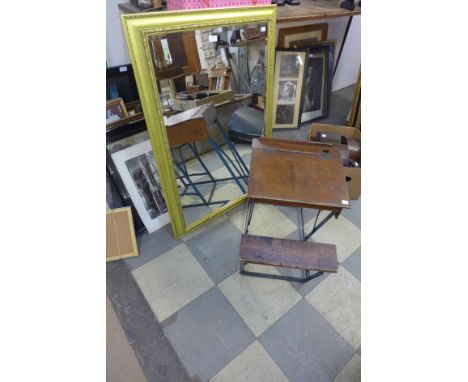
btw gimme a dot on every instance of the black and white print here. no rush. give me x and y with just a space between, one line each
290 65
137 168
313 85
284 114
287 91
146 179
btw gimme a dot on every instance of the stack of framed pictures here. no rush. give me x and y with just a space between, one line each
303 76
134 160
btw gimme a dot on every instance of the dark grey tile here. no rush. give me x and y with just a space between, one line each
353 263
217 250
152 349
207 334
305 346
302 288
359 351
354 214
194 213
152 245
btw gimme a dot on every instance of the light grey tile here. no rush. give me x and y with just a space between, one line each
338 299
351 372
217 250
341 232
259 301
266 220
303 288
305 346
152 245
353 263
354 214
253 364
171 281
207 334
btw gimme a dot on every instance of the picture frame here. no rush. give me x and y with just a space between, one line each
355 113
302 35
115 111
133 108
287 92
138 171
317 82
138 28
120 234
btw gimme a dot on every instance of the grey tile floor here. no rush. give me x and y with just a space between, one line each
190 315
221 325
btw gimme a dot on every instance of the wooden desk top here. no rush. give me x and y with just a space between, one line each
297 174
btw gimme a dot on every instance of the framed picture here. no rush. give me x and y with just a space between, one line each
300 36
133 108
317 81
137 168
287 92
120 234
115 111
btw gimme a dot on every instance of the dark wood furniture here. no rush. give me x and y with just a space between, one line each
295 174
288 253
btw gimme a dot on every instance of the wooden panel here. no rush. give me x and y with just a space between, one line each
193 130
120 234
191 52
313 10
288 253
303 147
297 178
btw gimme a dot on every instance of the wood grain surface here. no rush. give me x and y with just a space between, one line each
302 176
288 253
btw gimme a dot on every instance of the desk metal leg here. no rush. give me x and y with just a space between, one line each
316 227
244 169
248 215
220 153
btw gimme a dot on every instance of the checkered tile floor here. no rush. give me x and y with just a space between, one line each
228 327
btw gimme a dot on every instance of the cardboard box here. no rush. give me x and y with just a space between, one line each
353 175
217 96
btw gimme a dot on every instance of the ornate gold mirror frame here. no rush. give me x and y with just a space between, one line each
137 28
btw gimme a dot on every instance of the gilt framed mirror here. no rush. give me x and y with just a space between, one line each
205 80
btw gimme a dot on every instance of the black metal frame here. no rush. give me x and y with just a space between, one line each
307 275
239 171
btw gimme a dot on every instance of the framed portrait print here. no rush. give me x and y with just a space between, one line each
137 168
287 92
317 81
300 36
115 111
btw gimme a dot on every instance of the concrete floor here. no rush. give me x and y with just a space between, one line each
121 362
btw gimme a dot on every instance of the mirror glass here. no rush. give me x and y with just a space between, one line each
211 86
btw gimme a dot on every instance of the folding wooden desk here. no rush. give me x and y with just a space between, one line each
295 174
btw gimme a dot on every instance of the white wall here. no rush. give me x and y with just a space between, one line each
348 67
116 47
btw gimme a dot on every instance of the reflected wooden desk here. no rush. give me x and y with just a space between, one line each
295 174
187 128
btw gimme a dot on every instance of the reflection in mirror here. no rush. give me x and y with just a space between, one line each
211 84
